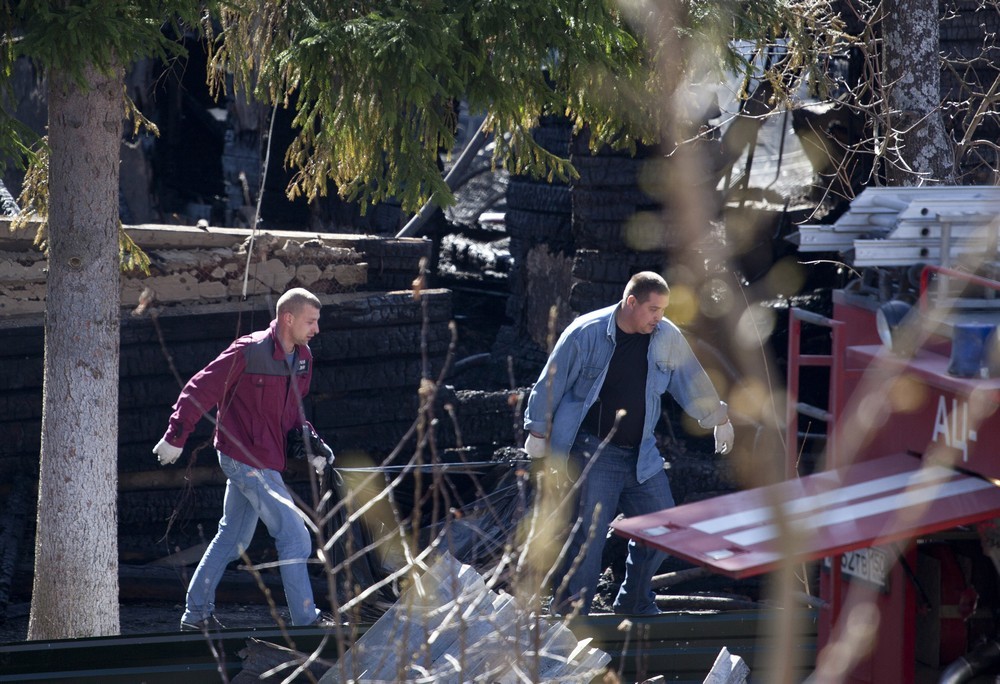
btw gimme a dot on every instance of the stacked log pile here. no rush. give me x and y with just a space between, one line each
538 219
368 369
574 245
617 226
574 249
477 255
967 62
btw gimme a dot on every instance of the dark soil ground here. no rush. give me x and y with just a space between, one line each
148 618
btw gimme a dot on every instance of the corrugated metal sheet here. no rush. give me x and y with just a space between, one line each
900 226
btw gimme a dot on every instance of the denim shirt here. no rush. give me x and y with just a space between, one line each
571 381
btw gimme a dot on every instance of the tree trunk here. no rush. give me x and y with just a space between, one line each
919 152
75 591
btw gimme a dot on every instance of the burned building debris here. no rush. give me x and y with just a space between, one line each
567 247
378 344
571 246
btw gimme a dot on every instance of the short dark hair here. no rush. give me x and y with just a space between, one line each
645 283
293 301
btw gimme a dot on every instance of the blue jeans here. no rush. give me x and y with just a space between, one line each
611 483
252 494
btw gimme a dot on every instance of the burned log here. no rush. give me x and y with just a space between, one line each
242 586
538 197
399 339
12 528
527 227
593 265
669 579
616 204
480 259
702 602
608 171
554 133
169 479
538 220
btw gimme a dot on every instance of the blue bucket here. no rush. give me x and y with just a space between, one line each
968 344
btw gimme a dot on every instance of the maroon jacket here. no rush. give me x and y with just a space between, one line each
258 401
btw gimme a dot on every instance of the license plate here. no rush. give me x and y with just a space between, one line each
869 565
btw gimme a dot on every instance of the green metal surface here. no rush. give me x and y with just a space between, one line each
187 657
682 647
679 646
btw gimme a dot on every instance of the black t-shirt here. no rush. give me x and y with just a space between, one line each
624 388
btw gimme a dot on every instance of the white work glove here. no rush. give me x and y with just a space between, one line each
319 463
724 436
535 446
166 452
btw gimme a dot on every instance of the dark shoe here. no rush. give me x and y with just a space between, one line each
566 608
326 621
652 612
209 624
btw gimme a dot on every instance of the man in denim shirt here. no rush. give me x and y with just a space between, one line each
603 383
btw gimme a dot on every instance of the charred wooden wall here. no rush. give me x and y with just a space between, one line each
574 245
375 346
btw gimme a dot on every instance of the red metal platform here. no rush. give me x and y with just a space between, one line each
867 504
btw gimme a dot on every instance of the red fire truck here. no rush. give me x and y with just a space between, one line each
899 524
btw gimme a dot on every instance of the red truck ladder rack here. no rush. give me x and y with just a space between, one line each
798 360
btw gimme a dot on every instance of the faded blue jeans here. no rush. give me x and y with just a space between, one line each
252 494
611 482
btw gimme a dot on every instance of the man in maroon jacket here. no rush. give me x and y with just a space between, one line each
257 385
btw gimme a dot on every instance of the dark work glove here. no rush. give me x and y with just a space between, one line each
315 450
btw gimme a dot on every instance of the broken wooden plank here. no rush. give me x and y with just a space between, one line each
728 669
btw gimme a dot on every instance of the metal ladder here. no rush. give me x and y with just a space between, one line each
796 361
